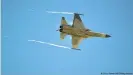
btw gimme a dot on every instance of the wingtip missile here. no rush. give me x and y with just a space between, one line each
79 14
76 49
107 36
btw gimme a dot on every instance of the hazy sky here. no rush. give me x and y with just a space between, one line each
24 20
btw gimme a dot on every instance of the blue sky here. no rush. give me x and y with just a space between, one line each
24 20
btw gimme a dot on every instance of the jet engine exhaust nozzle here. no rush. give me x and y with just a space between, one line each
61 26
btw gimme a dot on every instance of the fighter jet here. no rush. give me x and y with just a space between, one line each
78 31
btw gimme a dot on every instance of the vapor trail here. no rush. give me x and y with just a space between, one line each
49 44
59 12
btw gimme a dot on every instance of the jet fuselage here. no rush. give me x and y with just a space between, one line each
84 33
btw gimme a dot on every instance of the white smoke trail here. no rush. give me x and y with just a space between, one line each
49 44
59 12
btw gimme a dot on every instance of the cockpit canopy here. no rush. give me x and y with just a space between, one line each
87 29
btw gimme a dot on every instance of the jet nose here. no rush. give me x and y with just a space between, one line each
107 36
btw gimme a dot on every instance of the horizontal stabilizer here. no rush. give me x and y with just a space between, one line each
63 21
62 35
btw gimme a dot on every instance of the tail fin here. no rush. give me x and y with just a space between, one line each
63 21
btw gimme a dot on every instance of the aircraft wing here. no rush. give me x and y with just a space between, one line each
77 22
75 41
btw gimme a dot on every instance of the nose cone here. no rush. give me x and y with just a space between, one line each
107 36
